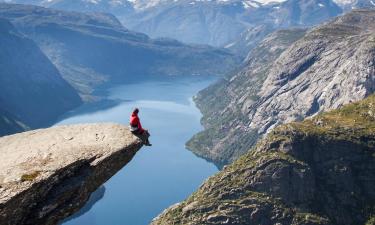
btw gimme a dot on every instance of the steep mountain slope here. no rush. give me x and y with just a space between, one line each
89 49
331 65
320 171
9 125
226 136
32 91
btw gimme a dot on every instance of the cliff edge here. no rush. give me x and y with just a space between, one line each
46 175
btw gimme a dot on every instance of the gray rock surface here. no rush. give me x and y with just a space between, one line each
227 134
46 175
333 64
315 172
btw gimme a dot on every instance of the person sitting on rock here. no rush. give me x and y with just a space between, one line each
136 128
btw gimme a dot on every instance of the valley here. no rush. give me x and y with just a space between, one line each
269 104
88 51
158 176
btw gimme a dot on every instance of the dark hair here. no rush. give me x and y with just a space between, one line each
136 111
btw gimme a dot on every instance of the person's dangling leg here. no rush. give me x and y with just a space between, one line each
145 136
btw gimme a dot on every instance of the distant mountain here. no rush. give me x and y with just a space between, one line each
123 7
355 4
287 14
214 22
220 23
286 80
90 49
32 91
117 7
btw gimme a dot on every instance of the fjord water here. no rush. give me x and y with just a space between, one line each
159 176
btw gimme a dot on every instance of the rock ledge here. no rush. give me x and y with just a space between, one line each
46 175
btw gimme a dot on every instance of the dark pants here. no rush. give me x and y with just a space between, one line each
143 136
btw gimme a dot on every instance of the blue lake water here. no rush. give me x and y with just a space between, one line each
159 176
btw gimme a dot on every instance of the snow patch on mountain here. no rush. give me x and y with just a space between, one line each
143 4
345 2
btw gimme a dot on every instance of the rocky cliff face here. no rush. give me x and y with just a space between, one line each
319 171
47 175
331 65
90 49
226 136
32 91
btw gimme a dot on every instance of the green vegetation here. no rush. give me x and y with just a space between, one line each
353 123
30 176
309 218
371 221
290 35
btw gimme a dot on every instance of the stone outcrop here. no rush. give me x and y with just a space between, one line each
332 65
319 171
47 175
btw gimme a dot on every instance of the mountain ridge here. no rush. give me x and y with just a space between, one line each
329 66
32 91
217 23
92 49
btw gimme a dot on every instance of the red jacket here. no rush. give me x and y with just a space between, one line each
135 122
